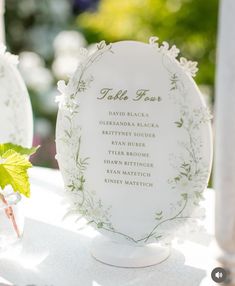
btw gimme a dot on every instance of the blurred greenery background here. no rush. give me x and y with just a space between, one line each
48 34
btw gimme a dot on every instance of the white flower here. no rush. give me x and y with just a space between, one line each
154 41
83 52
2 49
101 45
47 100
12 59
206 114
66 91
62 87
202 115
189 66
164 47
174 52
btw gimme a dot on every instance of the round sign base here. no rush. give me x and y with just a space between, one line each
122 255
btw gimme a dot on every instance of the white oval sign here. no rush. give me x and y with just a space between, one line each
16 113
134 141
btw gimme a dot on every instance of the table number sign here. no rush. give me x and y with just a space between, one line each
134 147
16 118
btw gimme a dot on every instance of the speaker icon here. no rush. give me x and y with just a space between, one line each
219 275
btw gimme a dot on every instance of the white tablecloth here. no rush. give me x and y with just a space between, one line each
55 253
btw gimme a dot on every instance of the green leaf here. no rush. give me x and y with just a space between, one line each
179 123
185 196
159 214
13 171
199 195
177 179
100 224
17 148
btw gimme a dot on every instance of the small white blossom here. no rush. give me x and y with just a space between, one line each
12 59
164 47
189 66
83 52
62 87
174 52
2 49
65 99
154 41
101 45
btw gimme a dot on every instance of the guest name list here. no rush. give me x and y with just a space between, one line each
128 135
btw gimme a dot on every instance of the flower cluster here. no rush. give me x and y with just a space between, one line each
190 67
65 99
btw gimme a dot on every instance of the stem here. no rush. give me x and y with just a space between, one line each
120 233
10 214
166 220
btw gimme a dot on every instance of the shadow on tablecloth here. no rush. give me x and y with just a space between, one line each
53 256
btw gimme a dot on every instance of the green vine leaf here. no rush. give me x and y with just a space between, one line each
100 224
159 215
179 123
82 181
185 196
17 148
14 165
199 195
177 179
101 45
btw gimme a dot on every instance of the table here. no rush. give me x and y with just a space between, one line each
56 253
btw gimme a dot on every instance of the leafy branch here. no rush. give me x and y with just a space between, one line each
152 233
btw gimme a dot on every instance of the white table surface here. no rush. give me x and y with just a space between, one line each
56 253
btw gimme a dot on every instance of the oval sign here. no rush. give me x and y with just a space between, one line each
16 113
134 140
